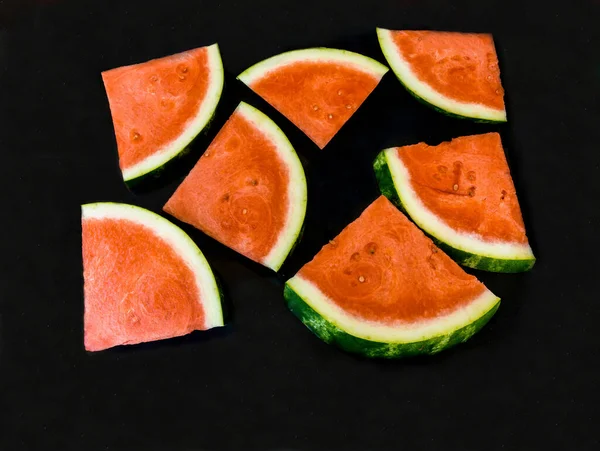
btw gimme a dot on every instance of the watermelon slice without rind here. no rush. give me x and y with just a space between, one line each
381 288
462 195
456 73
144 278
160 106
318 89
248 190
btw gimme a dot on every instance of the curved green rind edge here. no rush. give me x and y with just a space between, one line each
296 242
448 113
476 261
156 172
332 334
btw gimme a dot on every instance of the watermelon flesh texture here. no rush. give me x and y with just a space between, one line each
158 107
457 73
138 287
316 89
461 193
247 191
382 288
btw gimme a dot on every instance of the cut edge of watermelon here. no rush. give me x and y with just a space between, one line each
178 240
333 325
468 249
297 190
426 93
324 54
196 124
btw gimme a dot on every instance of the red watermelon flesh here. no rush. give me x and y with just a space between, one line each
461 66
382 268
238 191
153 103
137 289
318 98
317 89
467 184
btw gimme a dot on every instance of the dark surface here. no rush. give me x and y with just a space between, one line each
527 381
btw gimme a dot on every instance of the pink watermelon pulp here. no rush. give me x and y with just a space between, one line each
457 73
381 287
158 107
317 89
462 194
247 191
140 284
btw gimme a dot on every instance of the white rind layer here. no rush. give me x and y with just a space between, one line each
398 333
434 226
195 125
297 195
178 240
319 54
403 71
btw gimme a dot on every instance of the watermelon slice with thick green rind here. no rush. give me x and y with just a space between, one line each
318 89
144 278
248 190
462 195
160 106
381 288
455 73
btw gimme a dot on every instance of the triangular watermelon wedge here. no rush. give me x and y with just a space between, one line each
381 288
248 190
318 89
144 278
160 106
461 194
456 73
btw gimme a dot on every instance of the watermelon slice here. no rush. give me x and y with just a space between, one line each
318 89
247 191
381 288
160 106
144 278
461 194
456 73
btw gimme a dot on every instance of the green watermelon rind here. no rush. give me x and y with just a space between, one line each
462 256
178 240
417 90
179 147
297 189
160 170
330 333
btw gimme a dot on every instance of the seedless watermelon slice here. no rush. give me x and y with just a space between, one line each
247 191
144 278
318 89
461 194
160 106
456 73
381 288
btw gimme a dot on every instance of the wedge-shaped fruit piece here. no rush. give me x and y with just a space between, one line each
247 191
144 278
456 73
461 194
318 89
383 289
160 106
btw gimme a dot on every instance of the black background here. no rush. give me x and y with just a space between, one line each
527 381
